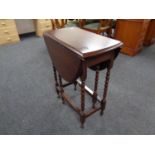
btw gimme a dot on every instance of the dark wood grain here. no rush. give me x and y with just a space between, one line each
89 44
72 51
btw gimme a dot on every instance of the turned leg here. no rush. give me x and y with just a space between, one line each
61 89
94 99
103 102
56 81
82 116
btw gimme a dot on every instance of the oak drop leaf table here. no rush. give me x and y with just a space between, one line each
72 51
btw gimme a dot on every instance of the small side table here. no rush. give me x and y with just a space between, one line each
72 51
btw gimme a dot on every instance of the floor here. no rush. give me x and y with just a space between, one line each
29 105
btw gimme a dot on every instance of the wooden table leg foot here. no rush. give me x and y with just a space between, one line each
103 103
82 120
102 112
75 84
57 92
94 100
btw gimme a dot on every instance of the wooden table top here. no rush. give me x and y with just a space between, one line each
82 42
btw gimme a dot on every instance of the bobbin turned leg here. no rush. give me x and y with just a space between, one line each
103 102
82 115
94 97
61 89
56 81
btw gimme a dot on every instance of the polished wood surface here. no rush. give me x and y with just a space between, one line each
89 44
150 34
131 33
70 60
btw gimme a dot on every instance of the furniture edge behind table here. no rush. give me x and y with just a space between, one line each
132 33
150 34
72 51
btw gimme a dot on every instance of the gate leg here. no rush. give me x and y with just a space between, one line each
103 102
56 81
94 97
61 89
